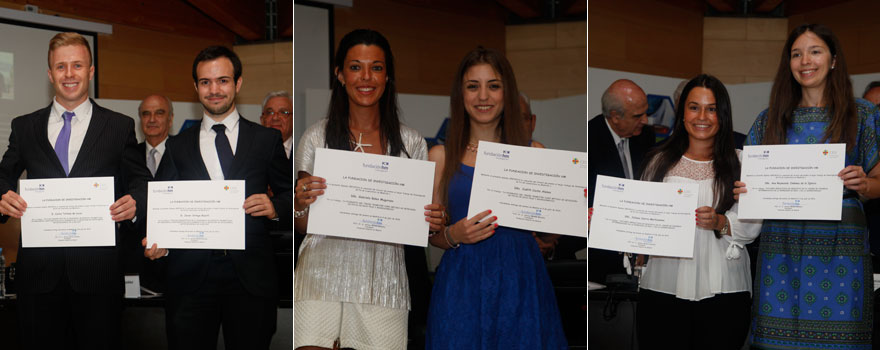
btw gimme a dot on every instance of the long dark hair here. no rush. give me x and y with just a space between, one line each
337 134
838 94
513 131
725 162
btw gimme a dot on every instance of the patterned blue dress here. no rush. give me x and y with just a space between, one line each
813 283
494 294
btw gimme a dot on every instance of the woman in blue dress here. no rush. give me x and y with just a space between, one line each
813 283
491 289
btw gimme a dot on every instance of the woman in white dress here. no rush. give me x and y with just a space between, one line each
353 293
700 302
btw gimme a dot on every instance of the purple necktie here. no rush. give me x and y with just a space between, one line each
63 141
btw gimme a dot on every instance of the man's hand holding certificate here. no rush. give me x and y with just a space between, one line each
654 218
372 197
793 182
69 212
196 214
531 188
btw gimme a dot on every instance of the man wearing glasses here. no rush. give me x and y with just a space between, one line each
277 114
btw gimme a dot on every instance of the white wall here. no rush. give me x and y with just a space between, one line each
747 100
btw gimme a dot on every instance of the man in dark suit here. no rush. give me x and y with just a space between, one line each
236 288
157 117
618 142
72 297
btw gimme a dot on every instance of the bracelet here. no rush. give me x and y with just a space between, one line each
449 239
300 213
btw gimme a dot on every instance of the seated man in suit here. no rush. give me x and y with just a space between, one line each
235 289
619 138
71 297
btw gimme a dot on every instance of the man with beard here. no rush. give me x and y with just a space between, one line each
71 297
233 288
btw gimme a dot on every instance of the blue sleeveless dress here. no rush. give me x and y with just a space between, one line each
494 294
813 283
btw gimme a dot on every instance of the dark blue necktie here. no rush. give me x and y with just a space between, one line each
62 143
224 150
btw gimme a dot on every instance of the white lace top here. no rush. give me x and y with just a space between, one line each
351 270
719 265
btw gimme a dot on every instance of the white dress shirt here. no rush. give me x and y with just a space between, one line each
207 146
79 124
288 146
160 150
617 139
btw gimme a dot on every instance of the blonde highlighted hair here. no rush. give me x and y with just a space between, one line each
67 39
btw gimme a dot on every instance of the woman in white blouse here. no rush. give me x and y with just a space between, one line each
701 302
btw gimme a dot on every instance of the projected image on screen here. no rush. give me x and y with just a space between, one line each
7 88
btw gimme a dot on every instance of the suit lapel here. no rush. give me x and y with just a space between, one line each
194 144
245 141
41 130
90 141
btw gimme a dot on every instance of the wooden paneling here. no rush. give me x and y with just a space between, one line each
152 46
721 28
166 16
134 63
766 29
428 41
855 24
531 37
265 68
739 50
545 65
646 36
571 34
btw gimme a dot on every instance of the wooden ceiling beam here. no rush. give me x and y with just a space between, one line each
762 6
576 7
526 9
723 5
245 18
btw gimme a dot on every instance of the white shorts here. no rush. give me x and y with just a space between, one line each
358 326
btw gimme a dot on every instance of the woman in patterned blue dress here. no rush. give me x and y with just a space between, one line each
491 290
813 284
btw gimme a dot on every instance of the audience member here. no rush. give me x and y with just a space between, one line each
618 141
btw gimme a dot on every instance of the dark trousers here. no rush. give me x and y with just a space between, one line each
666 322
193 320
64 319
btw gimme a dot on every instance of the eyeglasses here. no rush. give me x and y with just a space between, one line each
271 113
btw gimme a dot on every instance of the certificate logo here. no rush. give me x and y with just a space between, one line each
504 155
618 188
765 154
166 189
374 223
39 188
226 188
381 167
684 193
830 154
575 161
535 212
